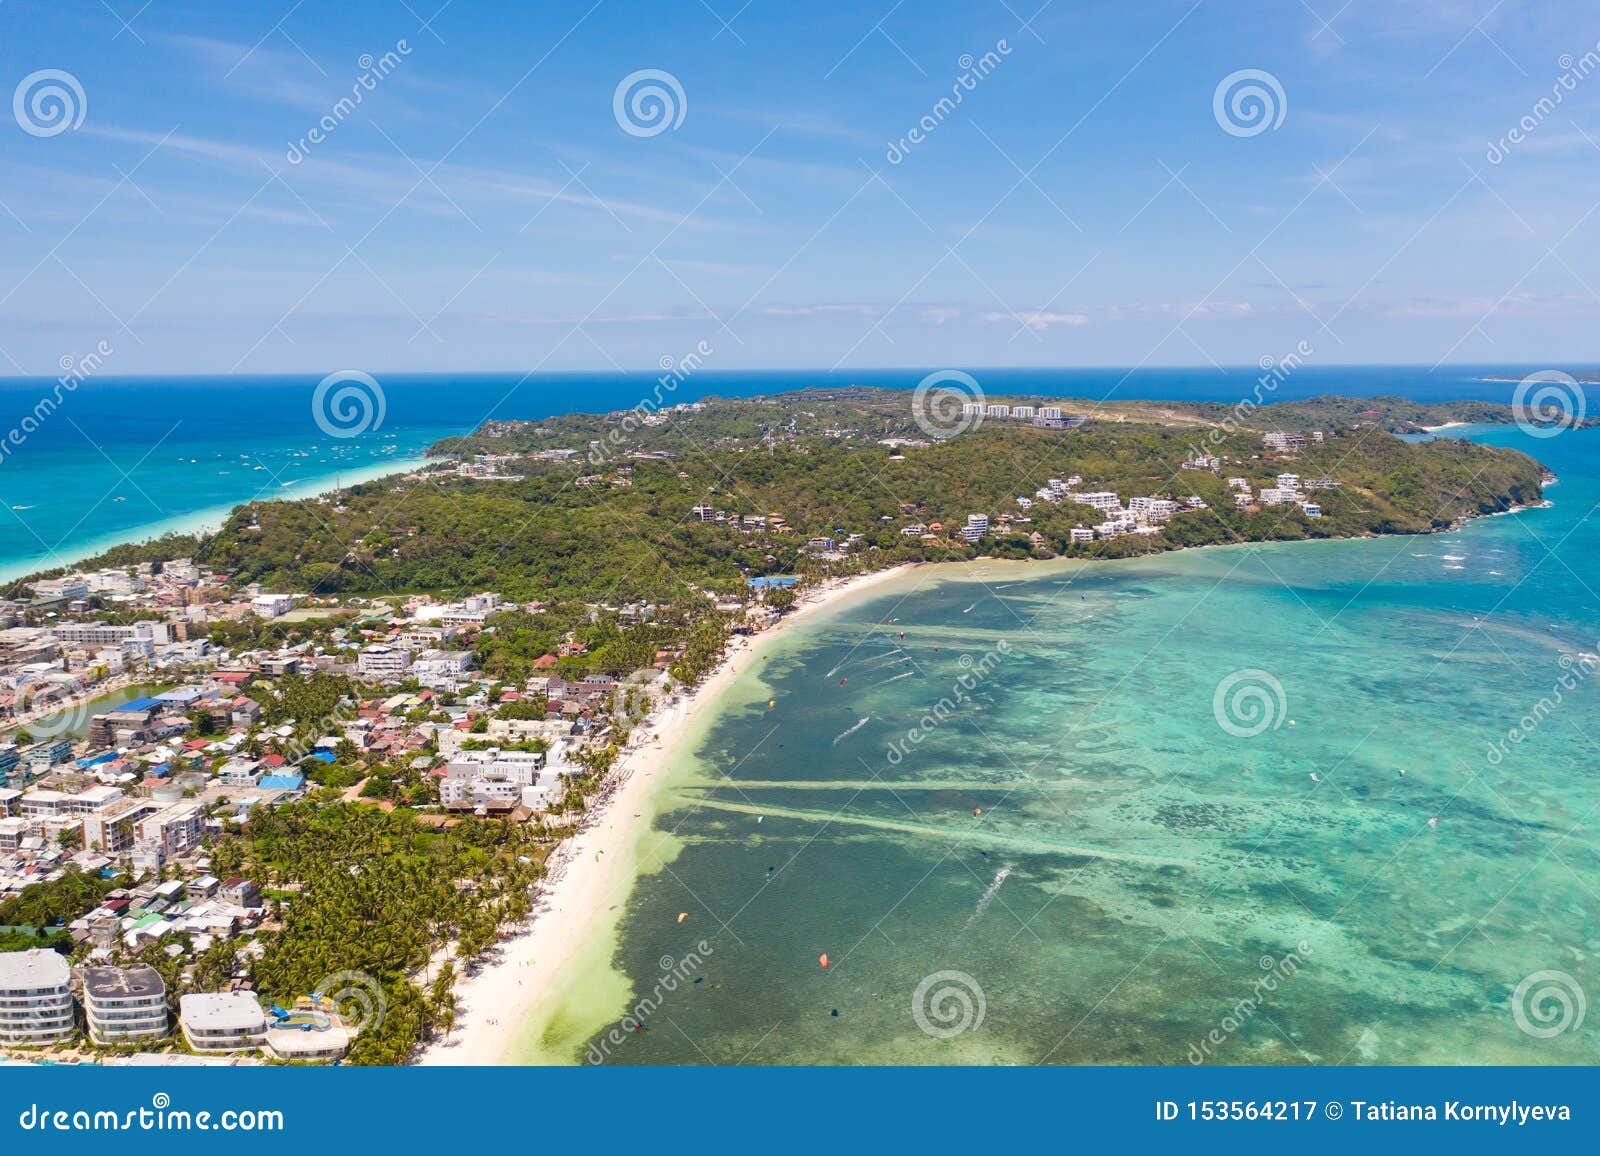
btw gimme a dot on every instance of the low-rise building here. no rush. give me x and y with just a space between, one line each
230 1021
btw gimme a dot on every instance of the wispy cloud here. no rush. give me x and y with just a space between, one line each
378 180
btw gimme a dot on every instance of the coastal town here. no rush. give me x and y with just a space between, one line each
136 745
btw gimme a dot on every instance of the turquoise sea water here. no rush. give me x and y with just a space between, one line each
122 459
1083 851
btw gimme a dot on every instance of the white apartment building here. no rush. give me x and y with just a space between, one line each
1050 412
121 1005
490 779
1152 509
71 586
1022 412
36 1006
112 582
381 661
997 411
1273 496
46 804
113 830
491 794
1100 500
433 666
226 1021
272 605
173 830
521 767
105 634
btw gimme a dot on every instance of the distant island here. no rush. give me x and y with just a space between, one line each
1592 379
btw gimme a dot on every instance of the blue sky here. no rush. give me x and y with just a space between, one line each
482 207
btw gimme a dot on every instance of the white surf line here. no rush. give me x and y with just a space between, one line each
988 895
861 785
846 734
975 835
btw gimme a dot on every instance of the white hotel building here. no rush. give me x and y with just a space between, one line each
124 1004
230 1021
36 1006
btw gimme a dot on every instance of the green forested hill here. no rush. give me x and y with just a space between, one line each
816 461
610 524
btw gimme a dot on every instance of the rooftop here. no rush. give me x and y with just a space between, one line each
35 967
222 1011
120 982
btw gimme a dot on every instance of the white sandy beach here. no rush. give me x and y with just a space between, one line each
209 521
593 872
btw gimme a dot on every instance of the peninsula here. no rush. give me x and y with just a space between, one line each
394 705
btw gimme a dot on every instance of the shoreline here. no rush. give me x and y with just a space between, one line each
511 1003
208 520
504 1016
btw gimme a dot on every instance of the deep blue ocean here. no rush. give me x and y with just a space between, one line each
131 457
